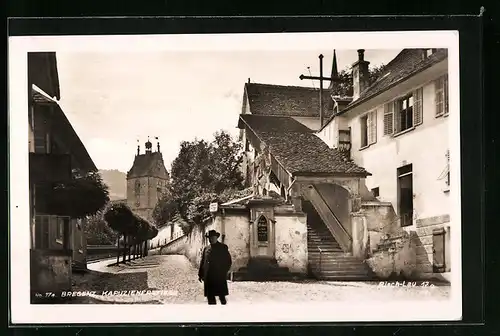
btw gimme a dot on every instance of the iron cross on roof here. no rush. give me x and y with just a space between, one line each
333 78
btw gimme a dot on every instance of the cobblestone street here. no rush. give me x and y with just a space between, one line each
172 279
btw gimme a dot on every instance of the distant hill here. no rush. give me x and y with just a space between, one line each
117 183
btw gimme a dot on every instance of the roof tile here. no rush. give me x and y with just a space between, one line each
297 148
149 164
405 64
279 100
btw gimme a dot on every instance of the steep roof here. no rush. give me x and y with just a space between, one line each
406 64
277 124
279 100
297 148
42 71
148 164
62 127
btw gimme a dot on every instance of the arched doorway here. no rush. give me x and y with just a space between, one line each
262 237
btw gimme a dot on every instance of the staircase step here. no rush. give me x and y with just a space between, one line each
343 272
321 240
339 268
335 254
325 261
347 277
321 234
324 249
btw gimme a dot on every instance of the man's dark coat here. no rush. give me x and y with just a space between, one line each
214 266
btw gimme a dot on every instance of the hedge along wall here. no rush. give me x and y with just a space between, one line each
121 219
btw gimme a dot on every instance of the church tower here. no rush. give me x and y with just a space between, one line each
147 180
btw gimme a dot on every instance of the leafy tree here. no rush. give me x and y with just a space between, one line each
84 195
344 86
98 231
201 173
165 211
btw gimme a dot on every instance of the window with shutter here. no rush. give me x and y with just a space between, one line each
417 106
439 96
372 127
404 114
364 130
389 118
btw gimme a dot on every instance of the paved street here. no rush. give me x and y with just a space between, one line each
172 279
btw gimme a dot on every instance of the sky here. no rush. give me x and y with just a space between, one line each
114 99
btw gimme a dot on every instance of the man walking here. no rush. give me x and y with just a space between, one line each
215 263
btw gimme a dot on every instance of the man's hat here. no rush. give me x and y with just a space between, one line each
212 233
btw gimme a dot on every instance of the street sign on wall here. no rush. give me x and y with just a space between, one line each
214 207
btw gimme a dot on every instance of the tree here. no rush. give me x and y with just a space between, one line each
98 231
165 210
201 173
344 86
84 195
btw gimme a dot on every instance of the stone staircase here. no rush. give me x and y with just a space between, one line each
332 264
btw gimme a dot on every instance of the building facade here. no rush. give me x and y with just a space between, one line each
399 132
147 181
58 244
376 173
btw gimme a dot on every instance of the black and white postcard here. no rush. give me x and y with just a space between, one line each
293 177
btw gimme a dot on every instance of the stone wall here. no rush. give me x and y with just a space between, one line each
234 226
236 231
380 220
394 256
50 271
165 235
196 241
291 241
177 246
390 250
360 234
424 245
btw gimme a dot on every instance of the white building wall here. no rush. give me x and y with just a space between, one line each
424 147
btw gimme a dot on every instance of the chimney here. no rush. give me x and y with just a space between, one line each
360 74
248 80
138 148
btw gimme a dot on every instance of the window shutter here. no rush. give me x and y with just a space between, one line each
417 106
439 96
389 118
372 127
